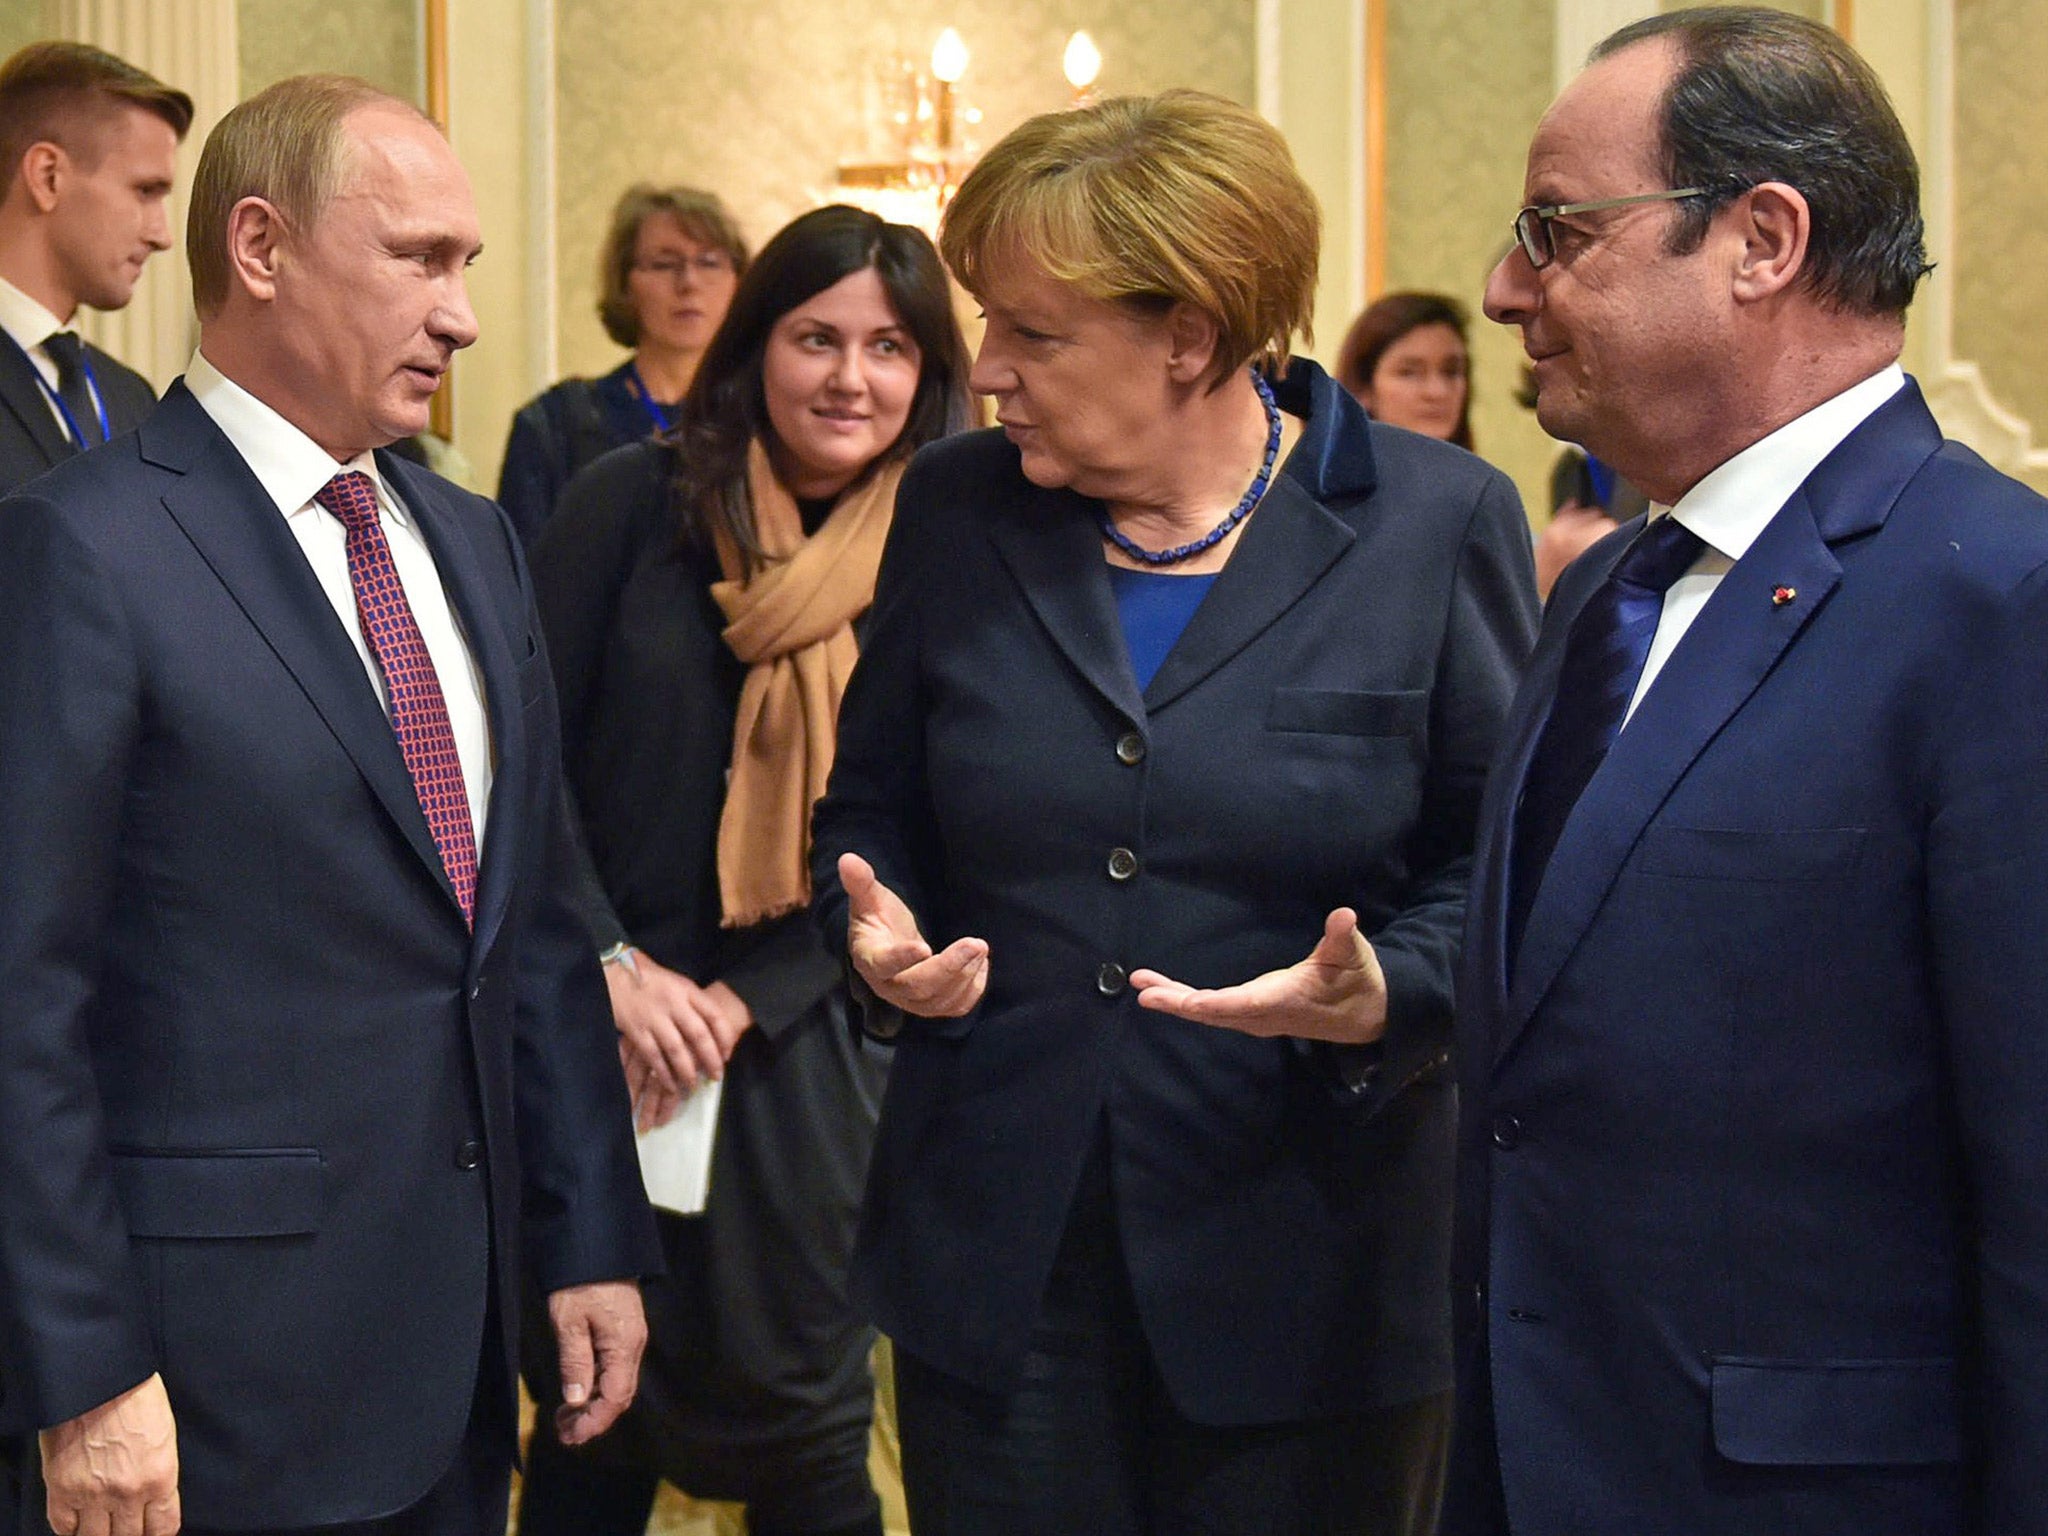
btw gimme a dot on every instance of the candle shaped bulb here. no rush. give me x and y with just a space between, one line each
949 57
1082 62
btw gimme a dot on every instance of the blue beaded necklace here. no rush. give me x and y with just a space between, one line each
1238 513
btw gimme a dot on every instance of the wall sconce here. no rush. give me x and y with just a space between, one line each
1082 62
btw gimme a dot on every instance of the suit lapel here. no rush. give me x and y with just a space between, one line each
462 577
1284 550
22 395
230 519
1734 644
1051 544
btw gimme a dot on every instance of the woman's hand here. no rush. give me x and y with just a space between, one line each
672 1033
892 957
1337 994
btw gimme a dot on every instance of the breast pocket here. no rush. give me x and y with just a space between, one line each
268 1192
1745 853
1347 712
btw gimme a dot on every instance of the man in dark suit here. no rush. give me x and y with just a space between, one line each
302 1056
1753 1200
87 146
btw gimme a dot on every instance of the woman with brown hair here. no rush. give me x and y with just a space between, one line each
1408 360
666 273
701 596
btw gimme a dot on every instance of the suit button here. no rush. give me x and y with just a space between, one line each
469 1155
1130 748
1122 863
1109 978
1507 1132
477 991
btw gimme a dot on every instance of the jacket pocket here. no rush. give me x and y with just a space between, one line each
1786 1413
1343 712
254 1193
1744 853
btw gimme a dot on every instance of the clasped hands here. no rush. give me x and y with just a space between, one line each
672 1033
113 1470
1336 993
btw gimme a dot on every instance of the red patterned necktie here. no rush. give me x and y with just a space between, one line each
418 712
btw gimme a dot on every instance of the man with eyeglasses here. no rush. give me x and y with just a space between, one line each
1753 1034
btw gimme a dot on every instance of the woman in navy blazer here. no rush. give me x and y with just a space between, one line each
1158 1218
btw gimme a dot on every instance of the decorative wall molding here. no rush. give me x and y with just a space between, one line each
190 44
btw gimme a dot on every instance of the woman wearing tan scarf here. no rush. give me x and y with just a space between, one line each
702 598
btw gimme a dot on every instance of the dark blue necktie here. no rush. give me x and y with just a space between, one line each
1603 659
68 353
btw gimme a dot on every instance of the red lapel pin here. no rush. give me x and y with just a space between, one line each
1780 596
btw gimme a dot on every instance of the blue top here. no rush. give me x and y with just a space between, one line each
1154 607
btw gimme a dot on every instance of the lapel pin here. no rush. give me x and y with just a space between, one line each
1780 596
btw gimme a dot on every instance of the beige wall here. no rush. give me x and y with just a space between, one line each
377 39
21 23
1999 275
756 98
1466 82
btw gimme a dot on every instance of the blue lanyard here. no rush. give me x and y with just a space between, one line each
92 387
657 414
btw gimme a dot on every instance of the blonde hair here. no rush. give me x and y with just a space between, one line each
1182 197
285 145
700 215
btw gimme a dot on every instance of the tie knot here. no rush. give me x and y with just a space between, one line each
352 497
1664 551
65 350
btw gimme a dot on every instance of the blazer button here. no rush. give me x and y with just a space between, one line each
469 1155
1122 863
1507 1132
1130 748
1109 978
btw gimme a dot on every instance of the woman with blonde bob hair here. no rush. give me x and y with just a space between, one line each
1146 841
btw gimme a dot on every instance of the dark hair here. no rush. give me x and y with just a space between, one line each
703 219
1762 96
62 92
726 408
1385 321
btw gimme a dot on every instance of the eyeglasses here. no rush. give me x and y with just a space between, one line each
1532 224
704 264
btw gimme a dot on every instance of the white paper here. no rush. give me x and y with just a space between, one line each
675 1159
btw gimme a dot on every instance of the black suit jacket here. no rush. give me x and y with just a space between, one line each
276 1120
31 441
1317 737
1753 1186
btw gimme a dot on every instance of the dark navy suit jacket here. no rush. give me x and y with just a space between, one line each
1753 1183
276 1122
1317 737
31 441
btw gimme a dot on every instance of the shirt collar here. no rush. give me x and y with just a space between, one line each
24 319
1732 505
291 467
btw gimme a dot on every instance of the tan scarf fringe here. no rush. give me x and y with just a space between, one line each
791 622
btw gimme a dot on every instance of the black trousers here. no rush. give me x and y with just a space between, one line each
1090 1443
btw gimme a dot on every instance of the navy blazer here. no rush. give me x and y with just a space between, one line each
1753 1182
31 441
1317 737
275 1119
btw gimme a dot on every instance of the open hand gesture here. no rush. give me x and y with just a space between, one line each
1337 994
892 957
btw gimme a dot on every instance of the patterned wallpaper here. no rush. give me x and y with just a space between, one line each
2001 201
1466 82
377 39
755 98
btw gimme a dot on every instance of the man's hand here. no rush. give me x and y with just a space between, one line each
892 957
599 1334
671 1033
113 1470
1337 994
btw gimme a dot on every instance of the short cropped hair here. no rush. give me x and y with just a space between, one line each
703 219
64 93
1761 95
1151 201
285 145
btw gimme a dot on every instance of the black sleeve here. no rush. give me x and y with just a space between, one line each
531 477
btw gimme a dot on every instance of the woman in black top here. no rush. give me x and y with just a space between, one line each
753 531
665 276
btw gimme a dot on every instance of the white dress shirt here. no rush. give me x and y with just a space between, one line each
1732 505
292 469
30 325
